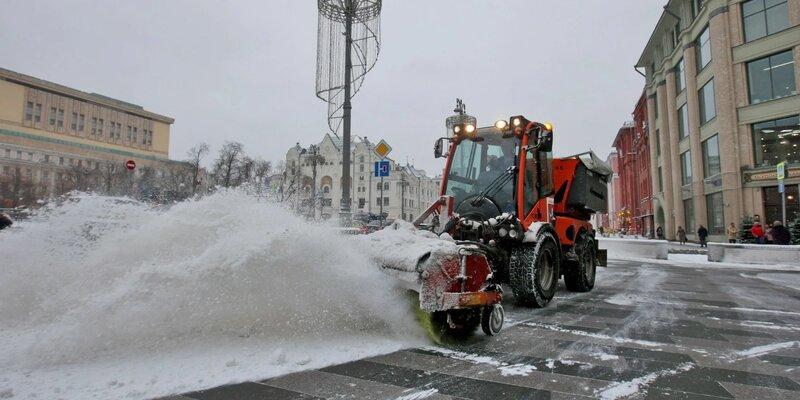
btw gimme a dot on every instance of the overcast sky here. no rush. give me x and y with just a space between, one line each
245 70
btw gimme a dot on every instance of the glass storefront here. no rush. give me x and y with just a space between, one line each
772 204
776 141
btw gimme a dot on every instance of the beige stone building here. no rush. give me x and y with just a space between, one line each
54 138
723 111
406 193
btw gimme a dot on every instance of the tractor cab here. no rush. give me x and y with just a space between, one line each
503 169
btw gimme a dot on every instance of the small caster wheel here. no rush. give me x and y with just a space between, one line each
492 319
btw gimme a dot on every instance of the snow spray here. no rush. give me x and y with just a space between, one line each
232 286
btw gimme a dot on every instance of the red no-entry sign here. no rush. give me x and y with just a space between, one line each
130 165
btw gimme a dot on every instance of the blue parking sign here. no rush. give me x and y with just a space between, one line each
382 168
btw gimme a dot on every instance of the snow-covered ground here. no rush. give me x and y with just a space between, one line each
108 298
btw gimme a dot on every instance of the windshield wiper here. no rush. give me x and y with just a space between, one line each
494 186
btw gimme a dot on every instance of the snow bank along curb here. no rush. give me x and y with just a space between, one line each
656 249
754 254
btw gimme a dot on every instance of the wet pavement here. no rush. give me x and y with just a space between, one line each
645 331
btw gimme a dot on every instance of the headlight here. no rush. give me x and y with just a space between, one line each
469 128
502 232
501 124
513 234
457 128
517 121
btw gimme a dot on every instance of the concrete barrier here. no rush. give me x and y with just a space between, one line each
633 248
754 254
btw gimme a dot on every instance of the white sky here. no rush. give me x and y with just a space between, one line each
245 70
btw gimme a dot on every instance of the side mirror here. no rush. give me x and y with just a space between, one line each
438 148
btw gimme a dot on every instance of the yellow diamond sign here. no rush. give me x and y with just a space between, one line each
383 149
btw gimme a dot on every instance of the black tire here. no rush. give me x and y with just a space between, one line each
579 275
492 318
534 271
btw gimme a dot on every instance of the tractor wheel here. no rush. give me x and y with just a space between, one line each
492 318
460 326
534 271
579 274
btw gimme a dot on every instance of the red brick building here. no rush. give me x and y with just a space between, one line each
635 212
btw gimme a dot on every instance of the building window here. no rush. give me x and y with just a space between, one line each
130 132
94 125
379 185
53 113
361 168
29 111
660 181
60 118
47 158
776 141
708 105
711 163
771 77
81 121
683 122
715 213
385 201
361 202
100 127
703 49
386 186
658 142
688 215
762 18
686 168
135 133
74 124
37 113
60 160
680 77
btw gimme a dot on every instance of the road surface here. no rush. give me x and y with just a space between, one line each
646 331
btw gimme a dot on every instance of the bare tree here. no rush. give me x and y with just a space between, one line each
194 158
227 163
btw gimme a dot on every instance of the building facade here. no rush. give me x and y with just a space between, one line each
635 196
313 176
722 106
612 219
54 139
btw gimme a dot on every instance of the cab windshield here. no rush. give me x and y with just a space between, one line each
484 163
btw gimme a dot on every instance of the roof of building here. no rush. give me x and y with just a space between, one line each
95 98
627 127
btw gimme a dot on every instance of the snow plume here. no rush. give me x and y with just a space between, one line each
635 386
223 289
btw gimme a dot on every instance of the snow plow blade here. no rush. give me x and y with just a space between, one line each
453 282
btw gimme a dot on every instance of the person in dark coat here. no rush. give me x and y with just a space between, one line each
780 235
5 221
660 233
702 234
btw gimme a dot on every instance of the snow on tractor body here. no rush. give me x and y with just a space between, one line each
517 216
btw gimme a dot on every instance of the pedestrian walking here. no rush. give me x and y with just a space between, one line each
768 235
681 235
758 232
702 234
5 221
660 233
780 235
732 233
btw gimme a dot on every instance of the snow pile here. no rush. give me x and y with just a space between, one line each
109 298
505 368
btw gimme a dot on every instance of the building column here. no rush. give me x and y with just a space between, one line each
722 66
651 130
794 12
668 157
695 146
675 151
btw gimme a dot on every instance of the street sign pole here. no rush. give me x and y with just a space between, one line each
781 175
381 203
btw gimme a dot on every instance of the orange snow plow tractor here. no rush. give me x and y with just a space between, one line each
518 217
